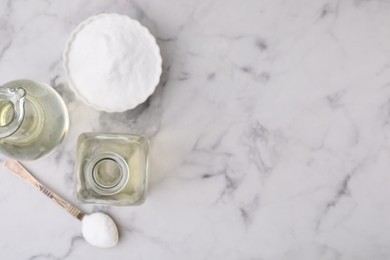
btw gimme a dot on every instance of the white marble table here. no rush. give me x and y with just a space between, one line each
269 132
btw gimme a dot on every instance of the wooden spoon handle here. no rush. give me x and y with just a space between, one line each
16 168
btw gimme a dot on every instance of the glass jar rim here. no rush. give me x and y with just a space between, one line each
123 168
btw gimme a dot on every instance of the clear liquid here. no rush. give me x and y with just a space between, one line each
44 125
132 149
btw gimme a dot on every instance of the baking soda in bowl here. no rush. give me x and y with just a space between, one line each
112 62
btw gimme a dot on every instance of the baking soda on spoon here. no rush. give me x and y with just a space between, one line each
98 229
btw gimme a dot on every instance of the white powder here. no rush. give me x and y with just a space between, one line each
99 230
112 62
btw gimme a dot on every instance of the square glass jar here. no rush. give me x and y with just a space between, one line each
111 169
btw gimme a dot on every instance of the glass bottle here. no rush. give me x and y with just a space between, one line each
111 169
33 119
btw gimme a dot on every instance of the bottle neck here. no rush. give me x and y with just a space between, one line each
107 173
11 110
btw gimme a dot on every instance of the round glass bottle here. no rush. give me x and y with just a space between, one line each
33 119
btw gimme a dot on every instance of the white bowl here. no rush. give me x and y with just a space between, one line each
119 103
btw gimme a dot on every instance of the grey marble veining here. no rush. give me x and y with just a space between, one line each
269 131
